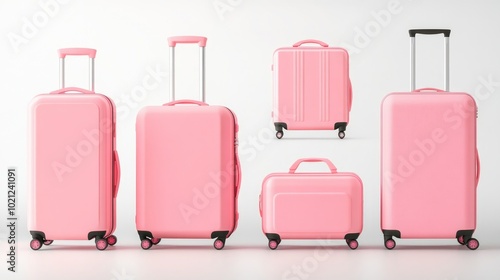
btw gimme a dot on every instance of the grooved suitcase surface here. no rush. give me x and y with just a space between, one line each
71 166
311 87
312 205
185 171
428 164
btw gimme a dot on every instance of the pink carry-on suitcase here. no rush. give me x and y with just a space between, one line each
312 205
312 89
74 165
430 165
188 174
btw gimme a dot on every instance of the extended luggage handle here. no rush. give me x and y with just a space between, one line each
185 101
174 40
202 42
446 33
76 51
332 167
310 41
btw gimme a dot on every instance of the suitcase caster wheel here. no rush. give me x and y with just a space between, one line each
146 244
390 244
473 244
218 244
341 134
279 134
111 240
273 244
353 244
155 241
36 244
101 244
48 242
460 240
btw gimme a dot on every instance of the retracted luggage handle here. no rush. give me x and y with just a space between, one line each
446 33
310 41
76 51
332 167
202 42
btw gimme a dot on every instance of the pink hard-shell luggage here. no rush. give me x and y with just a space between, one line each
430 165
319 205
188 173
312 89
74 166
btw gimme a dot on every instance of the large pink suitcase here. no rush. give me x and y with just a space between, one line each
188 174
430 165
74 167
312 89
317 205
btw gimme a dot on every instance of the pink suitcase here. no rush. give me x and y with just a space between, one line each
312 205
430 165
312 89
74 165
188 173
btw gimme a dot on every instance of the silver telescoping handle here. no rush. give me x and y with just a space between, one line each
76 51
446 33
172 42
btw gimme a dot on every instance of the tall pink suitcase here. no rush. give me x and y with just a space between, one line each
312 205
74 166
430 165
312 89
188 173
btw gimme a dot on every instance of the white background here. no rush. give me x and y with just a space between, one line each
130 37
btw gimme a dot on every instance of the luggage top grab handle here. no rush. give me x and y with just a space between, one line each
72 89
172 42
332 167
446 33
310 41
76 51
185 101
